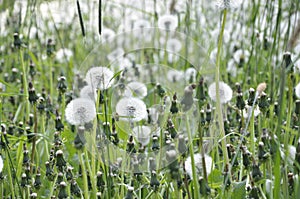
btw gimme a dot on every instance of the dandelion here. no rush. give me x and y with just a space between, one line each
168 22
107 34
188 100
99 77
141 29
1 164
88 92
131 108
228 4
198 164
80 111
63 54
297 90
142 134
115 54
190 75
136 89
225 92
174 45
175 75
247 111
241 56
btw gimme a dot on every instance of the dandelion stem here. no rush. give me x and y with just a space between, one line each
25 85
84 176
218 100
191 149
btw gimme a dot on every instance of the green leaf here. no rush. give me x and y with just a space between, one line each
239 190
215 179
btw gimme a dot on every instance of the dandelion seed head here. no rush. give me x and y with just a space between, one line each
174 45
228 4
168 22
224 90
99 77
142 134
80 111
247 110
136 89
63 55
88 92
132 109
198 164
175 75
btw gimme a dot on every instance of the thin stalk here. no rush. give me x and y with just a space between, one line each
218 101
10 179
191 149
34 136
25 86
84 176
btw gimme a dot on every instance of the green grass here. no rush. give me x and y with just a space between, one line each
241 164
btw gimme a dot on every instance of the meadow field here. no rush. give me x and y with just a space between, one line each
142 99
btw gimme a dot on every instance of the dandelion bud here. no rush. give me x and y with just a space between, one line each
208 114
23 180
155 143
61 86
240 103
202 117
100 181
262 154
130 145
200 93
33 195
261 87
256 173
69 174
174 108
263 103
10 130
75 189
62 191
251 96
26 158
30 134
129 194
60 178
154 183
291 182
60 161
204 188
171 128
80 140
254 192
246 158
17 40
50 47
32 95
160 91
288 61
32 70
37 181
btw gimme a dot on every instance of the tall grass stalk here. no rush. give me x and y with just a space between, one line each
191 150
217 80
